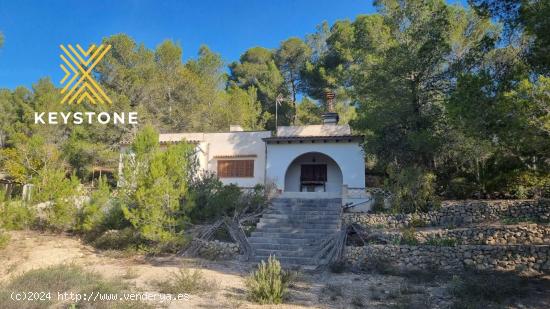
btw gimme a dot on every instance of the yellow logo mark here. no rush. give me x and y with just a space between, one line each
80 67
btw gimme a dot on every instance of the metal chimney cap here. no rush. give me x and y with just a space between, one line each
330 118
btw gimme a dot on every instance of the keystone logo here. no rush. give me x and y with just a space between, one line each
79 85
82 86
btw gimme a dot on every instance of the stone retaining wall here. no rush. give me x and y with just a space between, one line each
458 213
528 234
525 234
483 257
217 250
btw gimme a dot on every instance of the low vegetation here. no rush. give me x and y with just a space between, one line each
124 239
487 289
377 265
512 220
408 237
15 215
64 278
158 198
268 283
332 291
441 241
4 239
186 281
337 267
413 190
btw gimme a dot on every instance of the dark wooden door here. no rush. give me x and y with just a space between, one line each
313 173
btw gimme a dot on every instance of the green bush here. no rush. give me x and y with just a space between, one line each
186 281
114 217
412 188
378 205
103 225
268 284
212 199
408 237
441 241
118 240
154 188
418 222
257 198
530 184
4 239
92 214
58 192
16 215
461 188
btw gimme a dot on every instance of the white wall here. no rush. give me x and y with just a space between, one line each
348 156
210 145
236 143
334 175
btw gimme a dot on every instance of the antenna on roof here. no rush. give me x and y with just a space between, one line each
278 101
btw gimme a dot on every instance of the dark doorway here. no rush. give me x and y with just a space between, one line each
313 176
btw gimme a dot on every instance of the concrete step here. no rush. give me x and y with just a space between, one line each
298 211
307 206
331 226
283 240
301 221
303 212
296 230
287 261
334 217
272 246
286 253
306 200
292 229
298 234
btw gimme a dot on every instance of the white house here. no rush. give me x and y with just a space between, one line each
299 161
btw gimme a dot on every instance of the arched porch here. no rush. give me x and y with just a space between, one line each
313 172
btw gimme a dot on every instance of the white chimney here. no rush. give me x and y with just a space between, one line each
235 128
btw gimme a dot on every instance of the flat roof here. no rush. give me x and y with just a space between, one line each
314 130
190 137
323 139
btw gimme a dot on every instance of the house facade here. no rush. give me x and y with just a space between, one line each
298 161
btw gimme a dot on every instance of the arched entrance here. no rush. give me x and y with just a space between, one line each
313 172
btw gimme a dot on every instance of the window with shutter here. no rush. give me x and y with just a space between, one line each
235 168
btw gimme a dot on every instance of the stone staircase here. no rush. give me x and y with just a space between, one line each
293 228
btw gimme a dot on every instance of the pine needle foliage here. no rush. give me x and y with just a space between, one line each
268 283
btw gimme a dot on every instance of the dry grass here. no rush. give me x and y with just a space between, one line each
63 278
186 281
4 239
332 291
477 289
131 273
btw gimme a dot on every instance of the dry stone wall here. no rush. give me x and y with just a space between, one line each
458 213
521 234
484 257
217 250
528 234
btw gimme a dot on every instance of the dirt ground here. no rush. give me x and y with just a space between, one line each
315 289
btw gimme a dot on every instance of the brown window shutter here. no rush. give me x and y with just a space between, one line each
235 168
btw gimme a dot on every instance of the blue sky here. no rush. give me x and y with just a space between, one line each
33 30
